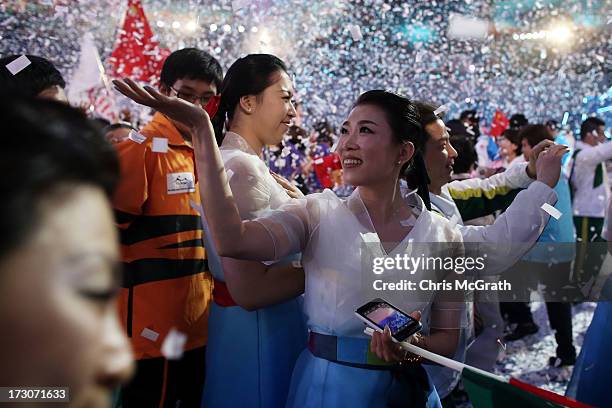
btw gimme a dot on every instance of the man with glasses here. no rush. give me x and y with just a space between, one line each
167 287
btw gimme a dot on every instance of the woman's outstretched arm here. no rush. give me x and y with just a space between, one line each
232 237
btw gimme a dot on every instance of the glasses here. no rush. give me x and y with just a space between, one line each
202 100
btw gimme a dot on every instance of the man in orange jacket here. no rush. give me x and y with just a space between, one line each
167 287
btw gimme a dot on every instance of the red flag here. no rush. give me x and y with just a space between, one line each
323 167
548 395
499 124
137 54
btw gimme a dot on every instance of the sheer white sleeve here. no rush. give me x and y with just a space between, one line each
292 225
248 185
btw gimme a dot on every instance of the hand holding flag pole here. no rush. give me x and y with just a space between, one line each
487 390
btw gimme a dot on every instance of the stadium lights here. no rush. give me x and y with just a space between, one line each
558 34
191 26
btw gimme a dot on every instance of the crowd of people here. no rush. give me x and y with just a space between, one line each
236 265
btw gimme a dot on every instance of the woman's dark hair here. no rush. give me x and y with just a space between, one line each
534 134
249 75
405 122
466 154
46 146
514 137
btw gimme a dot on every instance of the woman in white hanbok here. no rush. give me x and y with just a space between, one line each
252 349
256 329
379 140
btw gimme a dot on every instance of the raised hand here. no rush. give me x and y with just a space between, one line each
548 164
533 156
291 190
175 108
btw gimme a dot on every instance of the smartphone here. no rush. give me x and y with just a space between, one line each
379 313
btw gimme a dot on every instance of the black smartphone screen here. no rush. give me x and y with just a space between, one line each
382 314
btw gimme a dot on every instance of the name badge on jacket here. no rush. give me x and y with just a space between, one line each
180 183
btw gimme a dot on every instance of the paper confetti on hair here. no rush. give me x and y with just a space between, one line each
441 109
552 211
18 65
174 345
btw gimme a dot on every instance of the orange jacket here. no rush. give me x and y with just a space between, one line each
167 282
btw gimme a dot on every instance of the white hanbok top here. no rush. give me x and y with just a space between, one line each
338 240
253 187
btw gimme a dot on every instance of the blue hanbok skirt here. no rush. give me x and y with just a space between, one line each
320 383
250 355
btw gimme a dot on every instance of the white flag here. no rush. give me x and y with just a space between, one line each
89 85
89 72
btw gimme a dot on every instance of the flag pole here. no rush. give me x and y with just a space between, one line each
438 359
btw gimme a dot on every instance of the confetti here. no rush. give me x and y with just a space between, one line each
335 146
240 4
355 31
136 137
400 41
441 109
17 65
465 27
149 334
160 145
552 211
174 345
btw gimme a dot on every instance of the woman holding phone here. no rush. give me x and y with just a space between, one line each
380 140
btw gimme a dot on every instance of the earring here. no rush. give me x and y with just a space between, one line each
399 162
